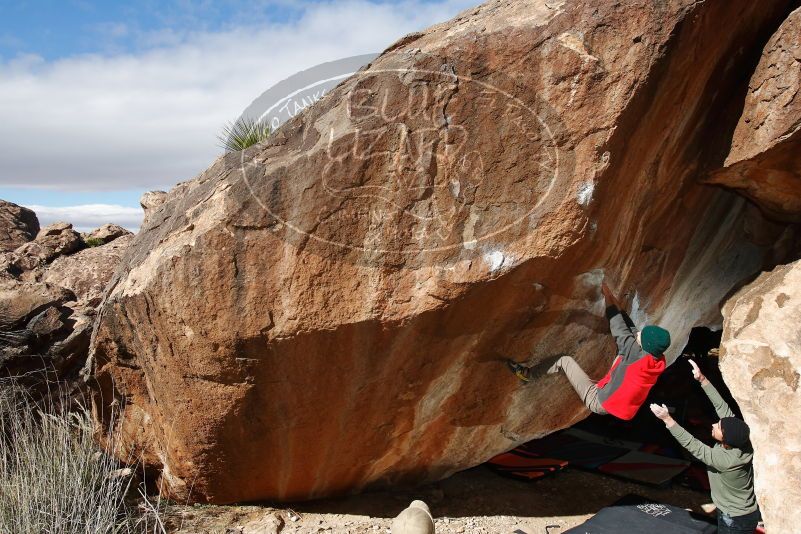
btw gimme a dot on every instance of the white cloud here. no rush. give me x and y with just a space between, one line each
87 217
149 120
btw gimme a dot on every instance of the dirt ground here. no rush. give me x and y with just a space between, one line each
476 501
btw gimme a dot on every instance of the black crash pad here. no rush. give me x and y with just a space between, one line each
636 515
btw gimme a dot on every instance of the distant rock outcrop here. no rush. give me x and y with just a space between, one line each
87 273
51 242
18 225
106 234
49 290
330 310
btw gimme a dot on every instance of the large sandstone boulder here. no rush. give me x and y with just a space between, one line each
330 310
761 363
764 162
18 225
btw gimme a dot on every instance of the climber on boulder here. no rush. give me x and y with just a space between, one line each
634 371
729 462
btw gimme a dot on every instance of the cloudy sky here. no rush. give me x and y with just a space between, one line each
101 101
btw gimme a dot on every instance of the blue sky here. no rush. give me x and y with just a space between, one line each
54 29
101 101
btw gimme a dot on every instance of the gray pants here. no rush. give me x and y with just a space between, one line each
586 388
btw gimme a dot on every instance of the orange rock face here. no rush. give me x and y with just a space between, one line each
330 310
764 162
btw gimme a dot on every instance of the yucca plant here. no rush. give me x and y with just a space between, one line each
243 133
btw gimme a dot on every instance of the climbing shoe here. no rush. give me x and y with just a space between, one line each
520 370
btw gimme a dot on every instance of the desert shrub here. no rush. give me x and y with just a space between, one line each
243 133
54 478
94 242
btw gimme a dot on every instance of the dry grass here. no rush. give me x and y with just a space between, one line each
53 477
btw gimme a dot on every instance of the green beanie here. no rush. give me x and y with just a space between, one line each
655 340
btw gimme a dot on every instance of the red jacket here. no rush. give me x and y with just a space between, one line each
633 373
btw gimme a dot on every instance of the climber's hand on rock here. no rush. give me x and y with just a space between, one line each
697 373
608 295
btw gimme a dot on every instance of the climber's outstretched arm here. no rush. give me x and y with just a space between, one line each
620 325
